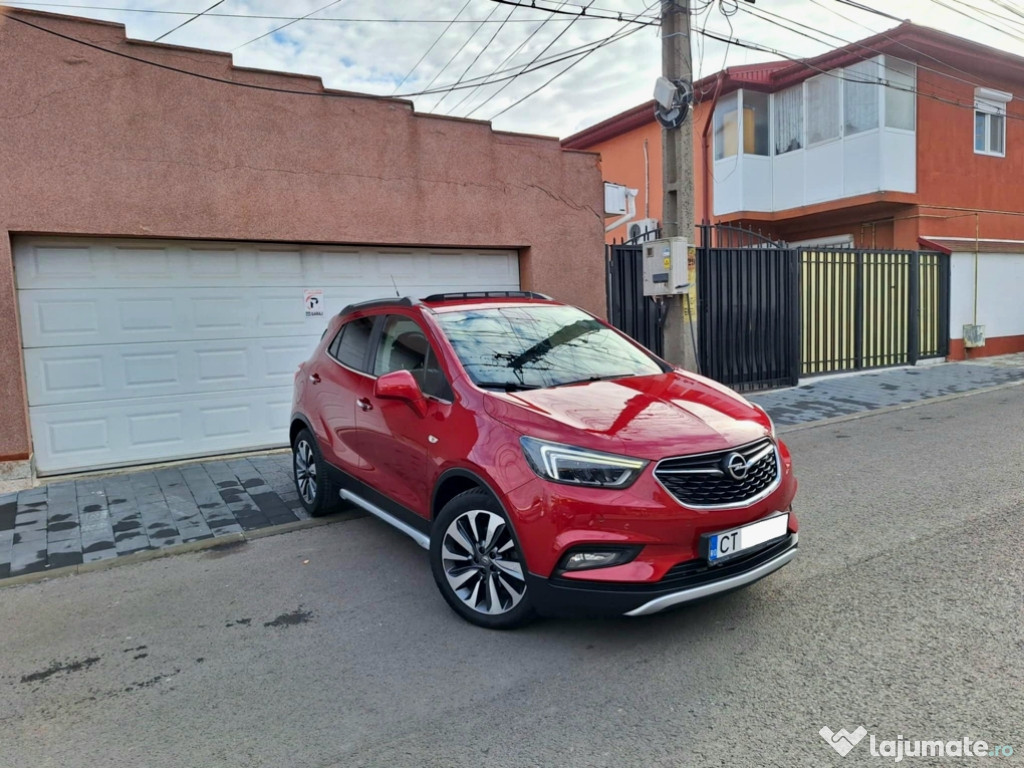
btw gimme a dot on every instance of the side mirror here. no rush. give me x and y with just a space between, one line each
400 385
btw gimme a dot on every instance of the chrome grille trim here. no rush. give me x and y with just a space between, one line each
713 474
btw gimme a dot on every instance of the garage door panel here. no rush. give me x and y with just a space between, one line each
59 375
147 350
55 318
103 434
88 263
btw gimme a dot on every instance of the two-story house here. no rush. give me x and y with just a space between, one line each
910 139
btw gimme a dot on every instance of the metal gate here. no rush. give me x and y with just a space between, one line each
629 310
871 309
748 296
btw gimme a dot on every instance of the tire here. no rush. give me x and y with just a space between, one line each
314 479
484 585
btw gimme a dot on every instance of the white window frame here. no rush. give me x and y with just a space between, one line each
889 84
835 78
989 103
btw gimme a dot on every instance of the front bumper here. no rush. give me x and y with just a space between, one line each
684 583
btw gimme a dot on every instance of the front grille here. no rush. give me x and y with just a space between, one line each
704 481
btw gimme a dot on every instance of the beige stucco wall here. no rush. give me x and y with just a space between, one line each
97 144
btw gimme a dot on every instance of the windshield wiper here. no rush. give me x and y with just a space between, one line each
588 379
508 386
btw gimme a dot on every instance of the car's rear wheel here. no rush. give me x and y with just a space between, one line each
317 487
477 563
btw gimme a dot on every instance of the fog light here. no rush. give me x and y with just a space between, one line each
598 558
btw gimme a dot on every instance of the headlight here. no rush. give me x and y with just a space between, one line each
578 466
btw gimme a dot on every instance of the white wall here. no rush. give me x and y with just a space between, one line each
1000 284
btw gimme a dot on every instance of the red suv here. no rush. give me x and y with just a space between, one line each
548 463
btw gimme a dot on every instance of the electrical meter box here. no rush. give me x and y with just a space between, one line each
665 269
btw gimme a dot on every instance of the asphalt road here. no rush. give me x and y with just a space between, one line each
330 647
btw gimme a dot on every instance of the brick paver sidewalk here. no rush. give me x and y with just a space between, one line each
831 396
69 522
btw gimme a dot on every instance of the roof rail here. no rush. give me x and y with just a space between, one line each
487 295
404 301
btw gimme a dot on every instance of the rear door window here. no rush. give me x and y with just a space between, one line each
352 343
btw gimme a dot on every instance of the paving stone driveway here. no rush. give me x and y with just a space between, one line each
79 521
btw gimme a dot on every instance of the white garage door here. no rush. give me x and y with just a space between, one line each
147 350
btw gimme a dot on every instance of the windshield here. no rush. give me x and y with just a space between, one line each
540 346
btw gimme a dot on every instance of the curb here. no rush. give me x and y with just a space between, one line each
341 517
180 549
893 408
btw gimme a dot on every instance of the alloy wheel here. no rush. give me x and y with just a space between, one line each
481 563
305 471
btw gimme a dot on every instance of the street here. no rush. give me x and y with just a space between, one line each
903 613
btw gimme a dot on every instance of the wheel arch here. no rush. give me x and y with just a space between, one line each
299 423
458 480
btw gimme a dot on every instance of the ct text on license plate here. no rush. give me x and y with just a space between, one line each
726 544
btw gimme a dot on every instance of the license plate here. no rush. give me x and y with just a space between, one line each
726 544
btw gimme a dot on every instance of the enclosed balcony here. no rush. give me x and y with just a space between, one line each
839 134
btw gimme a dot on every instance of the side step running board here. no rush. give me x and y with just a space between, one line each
418 536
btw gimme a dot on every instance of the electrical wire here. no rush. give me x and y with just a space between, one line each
585 11
508 57
476 58
621 34
557 75
278 29
460 50
517 71
271 17
1018 23
536 58
427 52
188 21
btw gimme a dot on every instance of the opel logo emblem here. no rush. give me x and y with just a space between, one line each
736 466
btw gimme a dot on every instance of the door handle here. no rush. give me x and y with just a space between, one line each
365 404
314 378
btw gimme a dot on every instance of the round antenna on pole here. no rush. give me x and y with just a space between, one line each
672 102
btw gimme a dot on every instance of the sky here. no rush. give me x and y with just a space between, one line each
356 45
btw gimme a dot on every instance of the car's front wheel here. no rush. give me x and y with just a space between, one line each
477 564
317 488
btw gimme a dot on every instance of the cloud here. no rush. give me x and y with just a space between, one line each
374 57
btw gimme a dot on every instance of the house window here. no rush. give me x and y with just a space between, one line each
989 133
990 121
822 109
900 80
756 120
789 120
727 127
860 97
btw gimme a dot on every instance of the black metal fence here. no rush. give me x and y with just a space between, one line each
871 309
768 313
748 295
629 310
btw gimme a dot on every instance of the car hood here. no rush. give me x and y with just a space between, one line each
648 417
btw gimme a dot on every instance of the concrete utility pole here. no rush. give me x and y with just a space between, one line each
677 167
